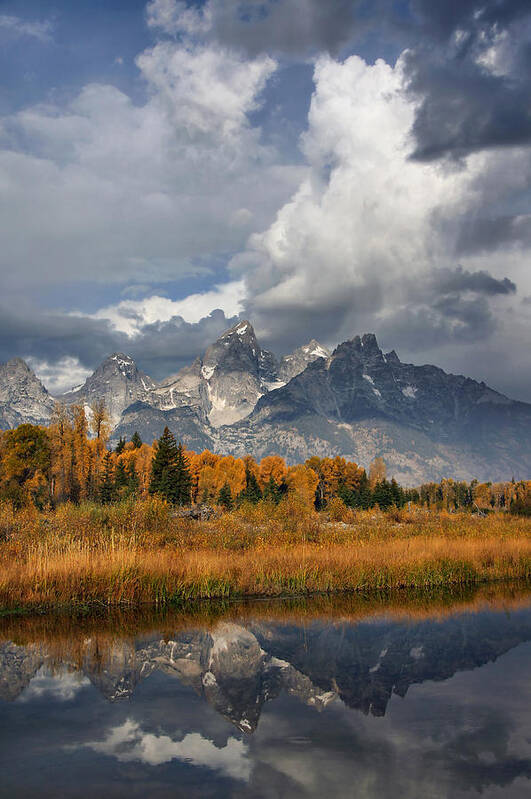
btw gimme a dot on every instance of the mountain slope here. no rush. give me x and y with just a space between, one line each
361 403
224 385
117 381
23 397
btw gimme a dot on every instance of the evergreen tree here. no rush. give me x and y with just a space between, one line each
120 446
347 496
120 478
183 483
251 492
397 494
106 491
272 491
163 466
170 476
225 497
136 440
382 495
362 498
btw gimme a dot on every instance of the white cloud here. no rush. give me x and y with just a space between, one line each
130 316
364 226
364 210
61 686
128 742
175 17
106 190
22 27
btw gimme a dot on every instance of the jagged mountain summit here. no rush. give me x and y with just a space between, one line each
225 384
23 397
117 381
357 402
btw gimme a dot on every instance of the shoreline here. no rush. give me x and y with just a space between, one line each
368 594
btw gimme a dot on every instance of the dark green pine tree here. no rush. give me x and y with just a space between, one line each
136 440
251 492
183 483
119 448
106 491
382 495
349 497
365 493
170 476
120 477
225 497
272 492
397 493
163 466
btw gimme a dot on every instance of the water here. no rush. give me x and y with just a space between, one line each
324 699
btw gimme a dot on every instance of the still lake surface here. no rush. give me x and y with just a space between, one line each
427 697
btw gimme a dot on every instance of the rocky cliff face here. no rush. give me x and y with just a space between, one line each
118 382
221 387
23 398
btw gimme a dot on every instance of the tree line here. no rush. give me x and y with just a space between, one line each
70 461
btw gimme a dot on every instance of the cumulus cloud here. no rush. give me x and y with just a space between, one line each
121 192
370 238
128 742
64 348
131 316
62 375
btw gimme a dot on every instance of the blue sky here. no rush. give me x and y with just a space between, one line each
321 169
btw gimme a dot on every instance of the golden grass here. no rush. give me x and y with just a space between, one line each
138 553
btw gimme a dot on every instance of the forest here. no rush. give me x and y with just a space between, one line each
71 462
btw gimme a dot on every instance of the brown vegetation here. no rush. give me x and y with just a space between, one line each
139 552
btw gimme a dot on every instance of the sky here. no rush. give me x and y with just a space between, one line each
321 169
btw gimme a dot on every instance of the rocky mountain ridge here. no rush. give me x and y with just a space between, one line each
23 397
358 402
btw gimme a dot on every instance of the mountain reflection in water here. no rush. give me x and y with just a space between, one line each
271 700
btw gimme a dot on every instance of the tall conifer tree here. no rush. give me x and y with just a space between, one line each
170 476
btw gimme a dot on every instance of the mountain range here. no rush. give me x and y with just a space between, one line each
357 402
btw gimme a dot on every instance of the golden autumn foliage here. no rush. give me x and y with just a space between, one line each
70 462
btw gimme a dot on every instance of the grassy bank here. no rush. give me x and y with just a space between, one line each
137 553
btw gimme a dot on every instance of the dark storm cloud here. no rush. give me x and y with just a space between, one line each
489 233
463 106
448 305
440 18
466 104
464 109
459 280
159 350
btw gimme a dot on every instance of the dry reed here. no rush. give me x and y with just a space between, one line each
139 553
